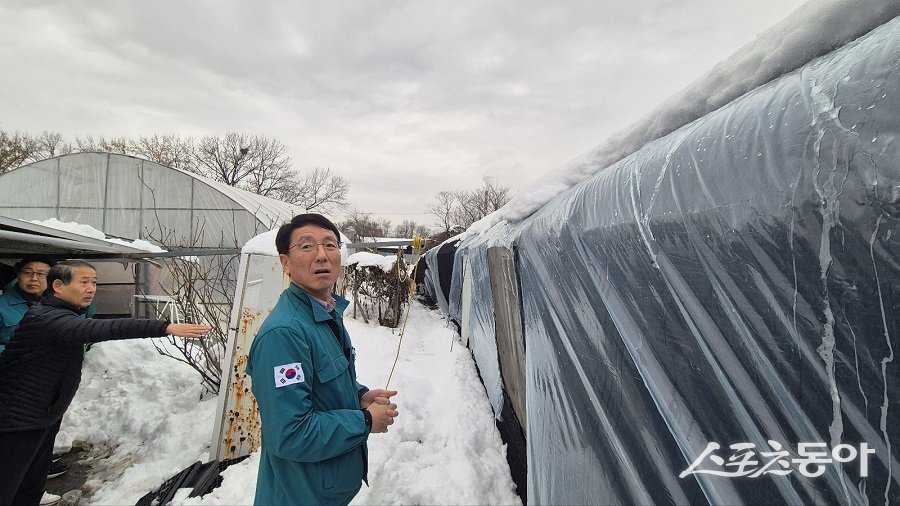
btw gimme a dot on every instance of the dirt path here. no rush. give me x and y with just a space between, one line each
81 462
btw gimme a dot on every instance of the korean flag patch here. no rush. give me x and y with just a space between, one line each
288 374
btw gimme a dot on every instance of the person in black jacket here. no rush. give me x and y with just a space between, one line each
41 368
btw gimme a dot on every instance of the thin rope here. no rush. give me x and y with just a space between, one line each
418 246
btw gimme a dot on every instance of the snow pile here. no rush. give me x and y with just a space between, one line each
263 244
75 228
367 259
814 29
142 405
89 231
443 449
137 244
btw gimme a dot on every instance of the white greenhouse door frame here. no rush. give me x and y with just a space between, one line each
259 285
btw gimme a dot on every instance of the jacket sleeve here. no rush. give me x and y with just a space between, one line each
360 388
292 429
76 329
9 320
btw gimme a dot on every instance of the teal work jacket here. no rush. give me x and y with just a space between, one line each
12 309
304 380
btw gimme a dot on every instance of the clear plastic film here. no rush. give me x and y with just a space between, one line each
715 317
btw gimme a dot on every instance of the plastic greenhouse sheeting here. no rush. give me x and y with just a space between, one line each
437 273
715 317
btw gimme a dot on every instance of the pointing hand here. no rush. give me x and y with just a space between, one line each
187 329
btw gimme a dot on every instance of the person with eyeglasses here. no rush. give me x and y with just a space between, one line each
20 293
315 416
40 372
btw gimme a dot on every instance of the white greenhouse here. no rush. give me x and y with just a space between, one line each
129 198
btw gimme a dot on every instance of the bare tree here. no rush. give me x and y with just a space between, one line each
442 207
409 229
20 148
15 149
168 150
50 144
261 165
359 225
317 190
383 228
118 145
466 212
463 208
480 202
252 163
202 289
249 162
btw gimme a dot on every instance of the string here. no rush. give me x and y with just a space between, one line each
418 246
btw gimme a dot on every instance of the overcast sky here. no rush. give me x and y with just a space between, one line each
402 98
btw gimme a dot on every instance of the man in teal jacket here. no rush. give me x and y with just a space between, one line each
316 417
21 293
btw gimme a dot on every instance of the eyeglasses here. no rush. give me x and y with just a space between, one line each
309 247
34 274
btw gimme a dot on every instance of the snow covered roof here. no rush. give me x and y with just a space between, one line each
19 237
386 239
366 259
125 196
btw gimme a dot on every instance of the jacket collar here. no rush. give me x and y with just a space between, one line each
318 312
53 301
17 295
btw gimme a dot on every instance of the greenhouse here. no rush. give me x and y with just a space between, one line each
713 318
128 197
120 196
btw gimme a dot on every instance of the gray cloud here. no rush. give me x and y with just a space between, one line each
403 98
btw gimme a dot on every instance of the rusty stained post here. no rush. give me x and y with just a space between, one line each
260 284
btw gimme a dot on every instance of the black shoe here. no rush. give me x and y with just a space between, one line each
57 469
57 456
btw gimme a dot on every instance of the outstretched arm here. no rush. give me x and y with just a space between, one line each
187 329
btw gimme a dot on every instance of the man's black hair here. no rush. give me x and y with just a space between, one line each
33 258
283 237
64 271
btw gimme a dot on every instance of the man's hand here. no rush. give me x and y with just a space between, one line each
378 402
187 329
382 415
379 395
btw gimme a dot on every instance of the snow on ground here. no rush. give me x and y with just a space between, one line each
144 406
443 449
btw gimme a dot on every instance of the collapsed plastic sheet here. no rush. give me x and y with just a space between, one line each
715 318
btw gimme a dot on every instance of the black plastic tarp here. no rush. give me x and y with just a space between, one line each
715 317
437 273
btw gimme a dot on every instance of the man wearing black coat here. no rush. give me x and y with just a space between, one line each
41 369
